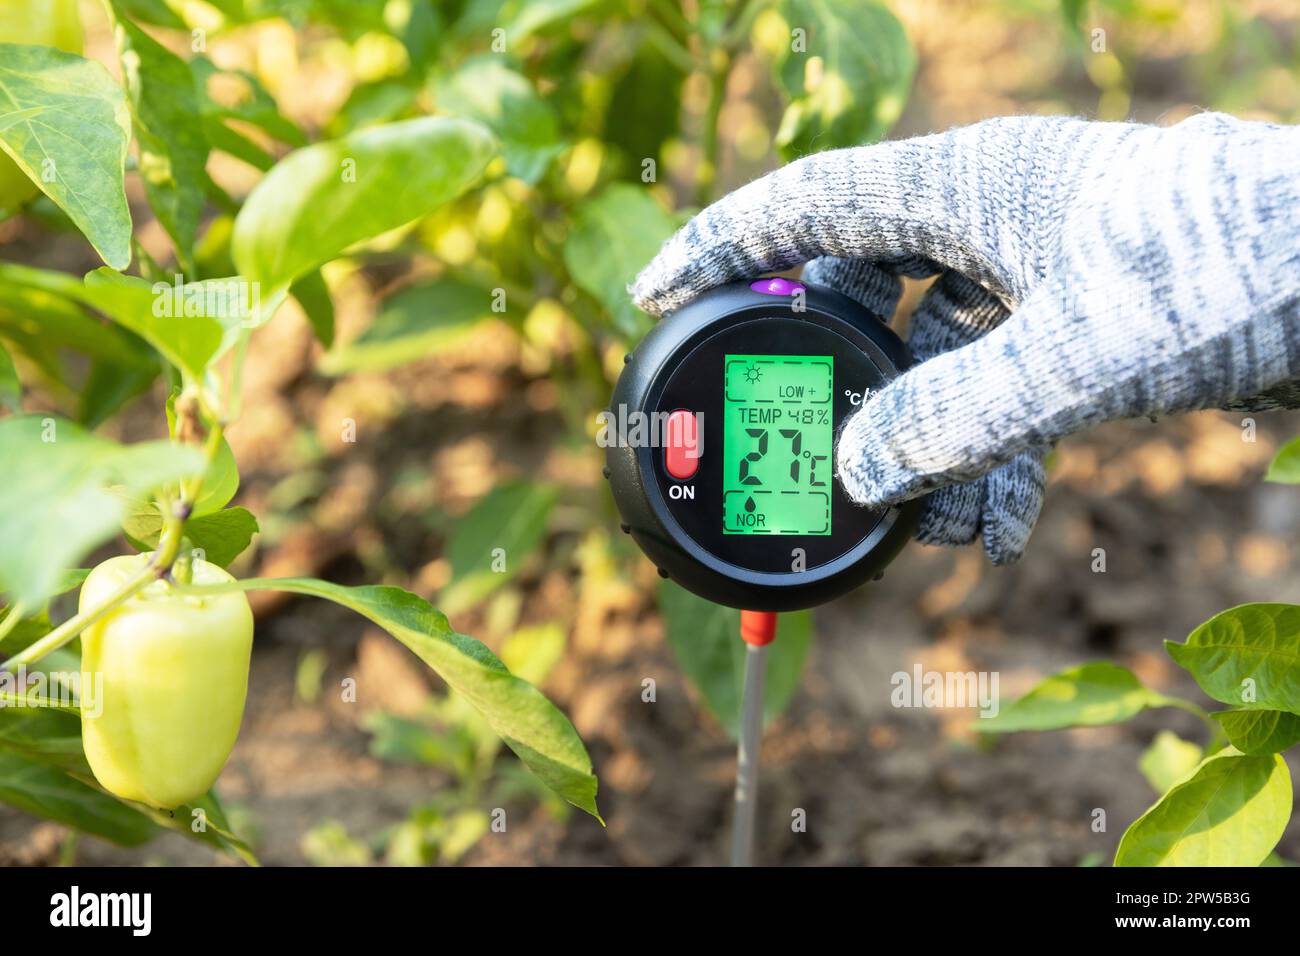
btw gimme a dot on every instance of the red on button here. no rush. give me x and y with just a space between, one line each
681 444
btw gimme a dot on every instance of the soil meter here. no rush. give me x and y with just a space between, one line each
723 466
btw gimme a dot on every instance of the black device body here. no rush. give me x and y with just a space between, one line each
697 360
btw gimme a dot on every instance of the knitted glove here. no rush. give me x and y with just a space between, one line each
1147 270
1002 505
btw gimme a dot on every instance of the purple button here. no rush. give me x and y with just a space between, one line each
776 286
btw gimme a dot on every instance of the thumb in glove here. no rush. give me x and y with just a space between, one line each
1001 506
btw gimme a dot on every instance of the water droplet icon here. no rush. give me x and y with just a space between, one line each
749 503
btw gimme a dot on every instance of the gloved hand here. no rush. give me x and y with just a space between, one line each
1003 505
1133 271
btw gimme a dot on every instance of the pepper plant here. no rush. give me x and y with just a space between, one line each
515 161
164 640
1224 802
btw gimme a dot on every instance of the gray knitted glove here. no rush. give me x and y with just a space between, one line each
1150 271
1002 505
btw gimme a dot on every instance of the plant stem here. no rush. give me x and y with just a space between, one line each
68 850
74 625
11 619
10 699
668 45
673 18
1216 733
738 31
234 392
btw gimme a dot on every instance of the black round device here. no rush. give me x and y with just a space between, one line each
721 439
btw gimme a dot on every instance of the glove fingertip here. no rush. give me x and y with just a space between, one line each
951 515
859 279
1013 502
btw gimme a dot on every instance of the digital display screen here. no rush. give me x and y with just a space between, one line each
776 444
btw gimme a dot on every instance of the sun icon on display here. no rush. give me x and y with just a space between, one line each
753 374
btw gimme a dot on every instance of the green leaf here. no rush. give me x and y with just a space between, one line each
215 830
151 11
51 740
1230 812
328 844
532 652
108 387
169 132
613 237
1168 760
1260 732
50 793
421 33
44 359
35 623
520 714
55 505
190 329
255 106
370 104
220 482
221 535
402 740
42 304
413 324
645 106
1247 656
11 390
526 17
320 200
313 296
222 137
487 90
1285 467
43 734
851 83
494 540
65 122
1083 696
705 639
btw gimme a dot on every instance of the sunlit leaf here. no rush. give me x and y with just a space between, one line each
1247 656
849 82
487 90
413 324
494 540
1168 760
520 714
1230 812
1260 732
1285 466
613 237
1083 696
65 122
323 198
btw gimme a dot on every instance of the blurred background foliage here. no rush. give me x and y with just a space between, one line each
431 397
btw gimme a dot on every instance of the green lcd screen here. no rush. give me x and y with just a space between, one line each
776 444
